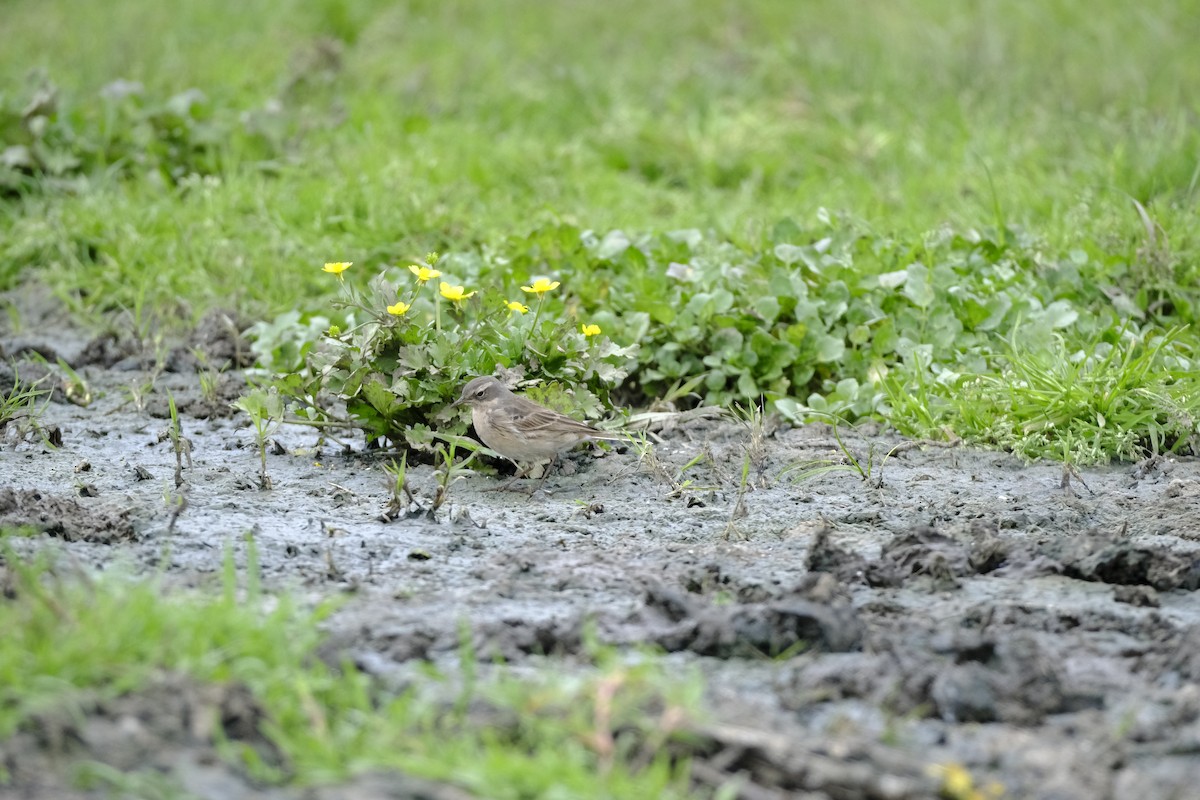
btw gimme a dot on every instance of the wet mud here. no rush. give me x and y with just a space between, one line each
956 606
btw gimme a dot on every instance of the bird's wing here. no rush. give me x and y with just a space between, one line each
527 417
538 418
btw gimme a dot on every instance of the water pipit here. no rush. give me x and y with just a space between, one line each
519 429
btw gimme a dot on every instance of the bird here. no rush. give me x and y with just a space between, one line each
519 429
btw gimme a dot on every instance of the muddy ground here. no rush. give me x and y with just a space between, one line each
960 607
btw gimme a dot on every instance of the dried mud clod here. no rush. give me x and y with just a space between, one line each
65 517
770 765
226 388
752 629
955 674
944 558
215 342
109 349
1010 678
1183 660
1115 560
8 378
218 337
826 556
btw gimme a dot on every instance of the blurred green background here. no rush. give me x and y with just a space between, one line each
376 131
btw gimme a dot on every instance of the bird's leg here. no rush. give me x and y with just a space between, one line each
508 485
545 474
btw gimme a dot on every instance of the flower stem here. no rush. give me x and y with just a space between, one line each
536 315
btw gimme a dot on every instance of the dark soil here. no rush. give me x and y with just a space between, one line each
958 607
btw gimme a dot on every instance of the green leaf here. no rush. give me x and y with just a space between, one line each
613 245
726 343
688 236
1061 314
830 348
917 287
943 327
747 386
790 410
835 300
786 230
380 397
789 253
722 300
767 308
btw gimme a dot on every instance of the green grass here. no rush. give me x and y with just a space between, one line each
21 405
1123 399
592 734
449 125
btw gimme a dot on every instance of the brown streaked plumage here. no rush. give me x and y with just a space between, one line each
520 429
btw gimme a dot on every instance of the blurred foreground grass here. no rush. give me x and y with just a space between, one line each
78 643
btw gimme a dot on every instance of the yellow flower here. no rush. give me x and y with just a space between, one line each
424 273
589 330
399 308
957 783
454 293
541 286
337 267
513 305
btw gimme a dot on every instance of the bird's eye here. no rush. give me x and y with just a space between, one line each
481 393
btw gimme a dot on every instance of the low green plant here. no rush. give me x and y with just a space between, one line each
738 510
809 322
208 374
404 349
1122 395
282 345
677 479
753 417
181 446
400 498
19 404
75 387
66 633
862 466
449 470
124 131
810 314
835 320
265 407
681 484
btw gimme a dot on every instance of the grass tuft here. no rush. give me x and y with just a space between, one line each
602 732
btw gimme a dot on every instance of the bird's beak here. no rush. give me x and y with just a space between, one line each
458 402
